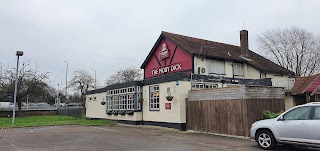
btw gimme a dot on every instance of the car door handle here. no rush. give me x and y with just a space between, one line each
304 124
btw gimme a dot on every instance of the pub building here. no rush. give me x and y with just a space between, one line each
175 65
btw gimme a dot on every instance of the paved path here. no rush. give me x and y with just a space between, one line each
118 138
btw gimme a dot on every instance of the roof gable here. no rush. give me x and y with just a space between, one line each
218 50
155 46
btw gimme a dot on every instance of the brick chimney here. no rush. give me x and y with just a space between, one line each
244 43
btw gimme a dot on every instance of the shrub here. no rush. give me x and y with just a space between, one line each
269 115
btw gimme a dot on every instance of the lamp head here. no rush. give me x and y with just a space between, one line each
19 53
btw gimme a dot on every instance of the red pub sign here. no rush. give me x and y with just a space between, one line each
166 58
168 106
167 69
164 52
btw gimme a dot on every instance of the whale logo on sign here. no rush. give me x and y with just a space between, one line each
164 52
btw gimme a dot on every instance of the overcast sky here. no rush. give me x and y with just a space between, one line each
108 35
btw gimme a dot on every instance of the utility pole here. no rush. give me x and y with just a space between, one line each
66 80
18 54
95 78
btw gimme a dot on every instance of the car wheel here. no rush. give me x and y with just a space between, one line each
265 140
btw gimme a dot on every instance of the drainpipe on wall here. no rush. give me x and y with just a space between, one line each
232 71
142 112
191 80
141 90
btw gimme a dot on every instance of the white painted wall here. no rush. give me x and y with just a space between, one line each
94 109
200 62
184 87
249 71
289 102
177 114
252 73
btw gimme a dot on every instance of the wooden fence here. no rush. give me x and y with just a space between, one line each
230 116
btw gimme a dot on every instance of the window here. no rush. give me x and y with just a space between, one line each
198 86
210 86
130 102
122 99
139 104
238 69
115 91
216 66
138 89
131 90
317 113
123 91
301 113
122 102
115 102
263 75
154 98
95 98
109 103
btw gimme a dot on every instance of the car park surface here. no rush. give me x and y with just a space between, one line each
118 138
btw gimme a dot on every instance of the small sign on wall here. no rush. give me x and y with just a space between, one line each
168 106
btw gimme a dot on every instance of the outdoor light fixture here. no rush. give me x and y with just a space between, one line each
18 54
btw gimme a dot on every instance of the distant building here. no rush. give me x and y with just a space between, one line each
306 89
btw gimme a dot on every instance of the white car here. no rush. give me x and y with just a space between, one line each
299 125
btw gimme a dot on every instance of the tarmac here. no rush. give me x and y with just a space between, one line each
119 138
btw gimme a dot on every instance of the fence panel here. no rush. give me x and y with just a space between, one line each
67 111
223 117
232 117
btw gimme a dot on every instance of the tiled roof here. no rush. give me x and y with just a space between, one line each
305 84
218 50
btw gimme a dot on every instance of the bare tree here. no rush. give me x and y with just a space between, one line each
125 75
31 83
81 82
295 49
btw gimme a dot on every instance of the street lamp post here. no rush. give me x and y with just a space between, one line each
66 80
18 54
95 78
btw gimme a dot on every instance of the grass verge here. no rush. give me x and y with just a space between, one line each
49 121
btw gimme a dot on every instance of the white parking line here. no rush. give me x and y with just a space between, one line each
10 143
